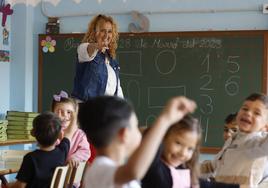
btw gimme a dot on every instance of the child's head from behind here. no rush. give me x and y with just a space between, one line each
106 119
182 143
63 106
230 126
253 114
46 128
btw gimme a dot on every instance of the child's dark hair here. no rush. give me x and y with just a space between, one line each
258 96
230 118
189 123
102 117
46 128
62 97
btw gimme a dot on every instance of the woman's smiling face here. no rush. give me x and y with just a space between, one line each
104 33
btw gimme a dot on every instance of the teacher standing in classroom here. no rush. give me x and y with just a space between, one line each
97 71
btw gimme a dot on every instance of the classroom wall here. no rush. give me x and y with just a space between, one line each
4 87
5 69
20 83
22 61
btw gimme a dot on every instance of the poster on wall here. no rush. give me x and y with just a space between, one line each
6 11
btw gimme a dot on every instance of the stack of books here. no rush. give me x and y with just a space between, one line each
20 124
3 130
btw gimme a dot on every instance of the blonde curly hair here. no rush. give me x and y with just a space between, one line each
90 34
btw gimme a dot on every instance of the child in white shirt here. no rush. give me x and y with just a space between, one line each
243 157
112 126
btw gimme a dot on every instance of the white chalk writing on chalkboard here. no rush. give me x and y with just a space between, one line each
163 54
171 43
208 79
206 61
232 83
231 86
206 125
70 43
207 108
234 64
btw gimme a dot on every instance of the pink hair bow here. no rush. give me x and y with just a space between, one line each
62 94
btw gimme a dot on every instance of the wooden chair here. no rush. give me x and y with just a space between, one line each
59 176
74 175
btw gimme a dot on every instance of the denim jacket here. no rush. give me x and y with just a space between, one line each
91 77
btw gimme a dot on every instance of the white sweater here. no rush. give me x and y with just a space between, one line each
243 159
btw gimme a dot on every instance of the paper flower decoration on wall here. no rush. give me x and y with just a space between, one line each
48 45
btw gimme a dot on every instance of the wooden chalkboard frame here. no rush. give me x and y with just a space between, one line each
263 33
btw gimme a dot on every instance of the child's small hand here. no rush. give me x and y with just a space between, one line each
73 163
70 130
74 118
177 108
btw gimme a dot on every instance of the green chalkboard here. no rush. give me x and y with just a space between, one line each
216 69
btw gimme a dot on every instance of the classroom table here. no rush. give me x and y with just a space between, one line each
12 169
8 170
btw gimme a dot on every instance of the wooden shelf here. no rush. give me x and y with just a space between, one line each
16 141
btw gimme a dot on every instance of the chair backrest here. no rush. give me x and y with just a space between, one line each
59 176
74 175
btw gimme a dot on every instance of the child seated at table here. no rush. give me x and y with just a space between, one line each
38 166
243 158
79 151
